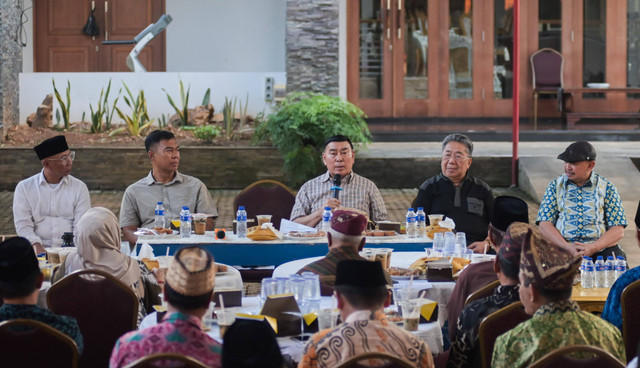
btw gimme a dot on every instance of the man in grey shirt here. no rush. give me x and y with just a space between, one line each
163 184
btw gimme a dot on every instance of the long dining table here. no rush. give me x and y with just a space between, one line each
245 252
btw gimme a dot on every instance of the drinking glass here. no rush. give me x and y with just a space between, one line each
269 287
438 244
283 285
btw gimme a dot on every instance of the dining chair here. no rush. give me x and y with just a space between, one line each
104 307
630 302
266 197
483 292
566 358
389 361
495 325
173 360
29 343
546 69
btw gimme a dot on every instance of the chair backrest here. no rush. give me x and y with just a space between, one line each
104 307
547 68
162 360
595 358
630 302
29 343
387 361
266 197
495 325
483 292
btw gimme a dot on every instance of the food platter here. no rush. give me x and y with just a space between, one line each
305 235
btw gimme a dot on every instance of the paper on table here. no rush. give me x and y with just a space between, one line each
287 226
146 251
448 223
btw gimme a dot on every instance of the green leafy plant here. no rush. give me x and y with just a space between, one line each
65 107
183 112
109 114
138 121
207 97
162 121
301 124
207 132
228 117
57 118
97 115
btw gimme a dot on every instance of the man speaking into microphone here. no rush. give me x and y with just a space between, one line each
338 187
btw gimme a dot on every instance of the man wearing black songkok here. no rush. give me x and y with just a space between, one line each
51 202
20 282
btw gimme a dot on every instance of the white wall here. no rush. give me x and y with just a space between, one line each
85 90
213 36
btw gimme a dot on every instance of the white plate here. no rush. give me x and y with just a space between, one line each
598 85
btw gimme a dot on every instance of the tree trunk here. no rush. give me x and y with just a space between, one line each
10 64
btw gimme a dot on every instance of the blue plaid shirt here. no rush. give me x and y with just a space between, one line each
582 214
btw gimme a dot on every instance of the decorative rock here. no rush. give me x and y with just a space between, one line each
43 116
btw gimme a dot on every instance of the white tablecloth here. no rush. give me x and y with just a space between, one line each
431 333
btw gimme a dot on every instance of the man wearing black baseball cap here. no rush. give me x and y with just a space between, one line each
51 202
582 210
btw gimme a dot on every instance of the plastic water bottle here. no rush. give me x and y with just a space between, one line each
587 279
411 223
241 222
583 275
600 276
160 220
185 222
609 271
620 267
326 219
422 223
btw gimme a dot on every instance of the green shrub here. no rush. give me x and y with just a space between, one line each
138 121
182 112
301 124
65 107
207 132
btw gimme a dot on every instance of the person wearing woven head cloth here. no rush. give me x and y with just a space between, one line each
612 311
188 289
465 349
547 272
506 210
582 210
362 295
51 202
346 240
20 282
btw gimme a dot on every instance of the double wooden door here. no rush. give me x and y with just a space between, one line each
410 58
61 46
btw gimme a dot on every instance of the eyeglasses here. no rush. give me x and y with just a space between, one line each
70 157
334 155
457 157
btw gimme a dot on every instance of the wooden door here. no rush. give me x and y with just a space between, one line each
61 46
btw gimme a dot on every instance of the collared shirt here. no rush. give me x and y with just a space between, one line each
612 311
140 198
177 333
553 326
357 192
582 214
65 324
42 212
465 349
364 332
327 265
470 204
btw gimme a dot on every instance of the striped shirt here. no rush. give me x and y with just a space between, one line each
357 192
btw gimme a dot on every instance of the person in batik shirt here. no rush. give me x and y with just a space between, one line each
188 289
546 277
465 349
362 294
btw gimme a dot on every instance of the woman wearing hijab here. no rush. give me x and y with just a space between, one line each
98 241
251 344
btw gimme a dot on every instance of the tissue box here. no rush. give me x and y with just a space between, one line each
232 298
282 308
428 311
388 225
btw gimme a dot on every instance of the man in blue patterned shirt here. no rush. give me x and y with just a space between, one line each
582 210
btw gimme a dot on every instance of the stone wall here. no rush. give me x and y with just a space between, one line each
10 62
312 46
231 168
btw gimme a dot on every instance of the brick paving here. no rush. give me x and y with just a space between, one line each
396 200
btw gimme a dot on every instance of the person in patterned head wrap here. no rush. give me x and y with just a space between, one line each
465 348
547 274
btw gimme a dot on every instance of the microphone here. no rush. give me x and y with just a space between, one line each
337 180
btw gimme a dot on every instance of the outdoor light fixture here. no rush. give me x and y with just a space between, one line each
141 40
